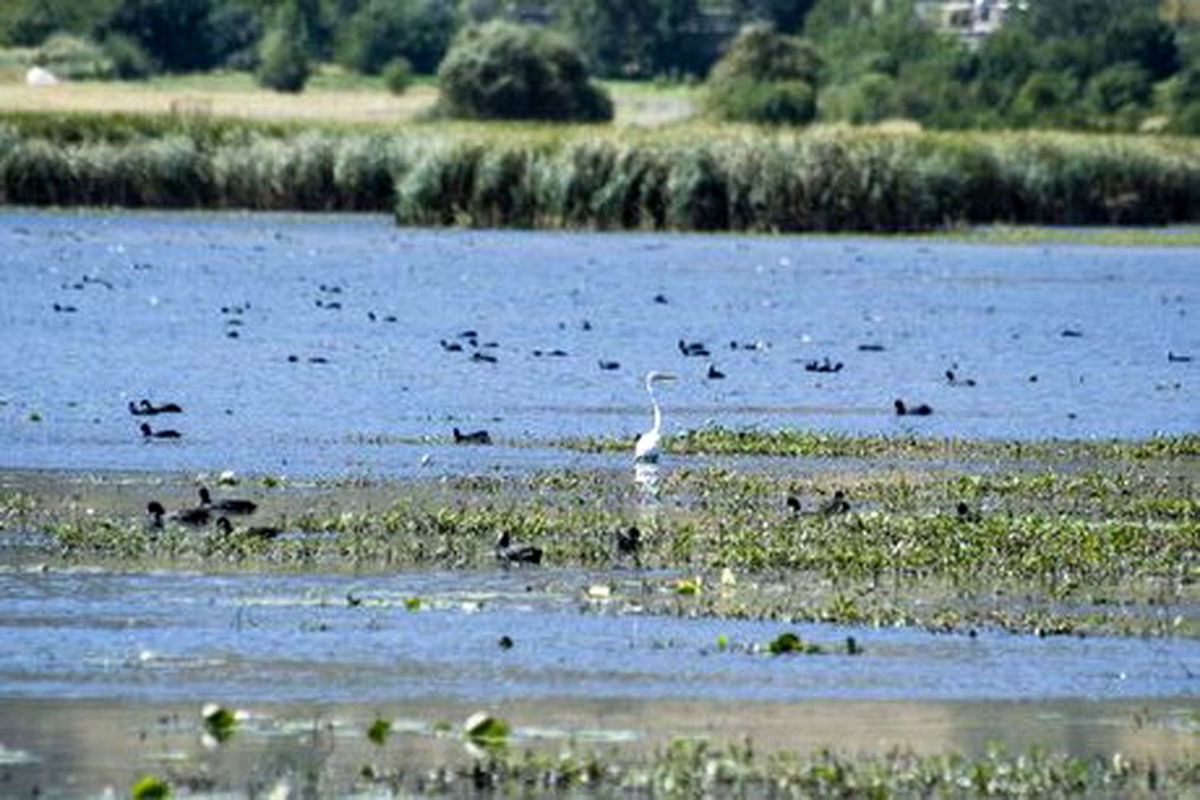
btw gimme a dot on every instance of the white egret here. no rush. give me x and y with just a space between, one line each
645 451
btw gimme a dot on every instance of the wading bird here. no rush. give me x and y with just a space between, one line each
645 450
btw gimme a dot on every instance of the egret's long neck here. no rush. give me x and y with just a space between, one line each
654 405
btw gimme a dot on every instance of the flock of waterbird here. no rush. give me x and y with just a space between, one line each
646 450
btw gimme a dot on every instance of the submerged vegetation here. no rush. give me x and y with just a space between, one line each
696 769
708 178
693 768
1046 538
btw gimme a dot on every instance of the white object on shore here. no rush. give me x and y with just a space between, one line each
40 76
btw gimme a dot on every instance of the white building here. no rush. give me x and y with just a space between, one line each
973 20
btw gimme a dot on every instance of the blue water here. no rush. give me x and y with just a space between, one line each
295 638
149 291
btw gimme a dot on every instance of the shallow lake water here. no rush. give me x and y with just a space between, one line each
312 344
282 638
103 674
334 347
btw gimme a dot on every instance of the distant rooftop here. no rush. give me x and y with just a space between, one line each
972 20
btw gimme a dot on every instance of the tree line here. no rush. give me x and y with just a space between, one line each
1106 64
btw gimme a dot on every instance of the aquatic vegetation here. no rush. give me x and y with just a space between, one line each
379 731
789 642
150 787
487 731
1035 537
707 177
219 721
696 768
717 440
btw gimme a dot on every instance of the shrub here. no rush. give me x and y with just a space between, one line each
765 77
1186 121
759 53
284 66
505 71
1042 96
1119 86
769 102
397 75
73 57
129 61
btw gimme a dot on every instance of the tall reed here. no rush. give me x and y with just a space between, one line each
687 178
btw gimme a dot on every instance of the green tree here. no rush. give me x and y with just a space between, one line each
638 38
1121 86
1087 36
29 22
175 33
888 62
786 15
501 70
1042 98
285 66
381 30
765 77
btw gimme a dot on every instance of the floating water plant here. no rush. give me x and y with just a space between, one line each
485 730
219 721
1102 547
379 730
789 642
150 787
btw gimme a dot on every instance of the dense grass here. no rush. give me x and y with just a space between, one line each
685 177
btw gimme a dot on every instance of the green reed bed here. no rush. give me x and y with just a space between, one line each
718 440
687 177
1083 545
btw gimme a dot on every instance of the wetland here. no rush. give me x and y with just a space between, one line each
1004 600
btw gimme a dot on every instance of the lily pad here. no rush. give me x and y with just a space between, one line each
150 787
219 721
792 643
379 730
484 729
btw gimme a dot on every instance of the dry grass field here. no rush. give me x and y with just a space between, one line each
331 96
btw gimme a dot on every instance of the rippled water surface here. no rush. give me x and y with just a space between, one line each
312 638
311 345
314 346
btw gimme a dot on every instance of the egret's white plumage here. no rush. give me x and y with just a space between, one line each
645 450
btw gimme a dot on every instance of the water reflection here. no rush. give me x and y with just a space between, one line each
646 481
